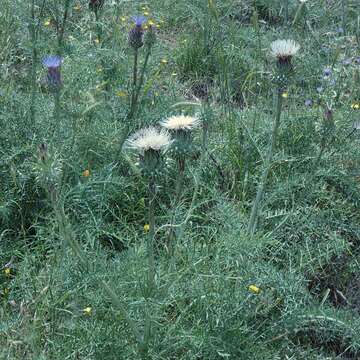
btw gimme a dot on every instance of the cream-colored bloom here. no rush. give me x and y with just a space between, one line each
149 139
181 122
284 48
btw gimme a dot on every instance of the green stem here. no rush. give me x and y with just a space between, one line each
286 10
56 113
344 8
33 65
150 241
63 26
138 85
255 208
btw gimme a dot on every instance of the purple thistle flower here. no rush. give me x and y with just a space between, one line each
52 61
136 34
139 20
308 102
53 64
319 89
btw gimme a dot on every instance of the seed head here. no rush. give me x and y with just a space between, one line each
284 50
149 139
181 122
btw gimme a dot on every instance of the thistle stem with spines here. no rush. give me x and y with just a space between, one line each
268 162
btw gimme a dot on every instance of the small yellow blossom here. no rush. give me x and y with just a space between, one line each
144 8
71 38
99 70
86 173
77 7
7 271
121 93
123 18
174 74
6 291
163 61
146 13
151 23
254 289
355 106
47 22
97 41
158 26
145 27
87 311
146 227
285 95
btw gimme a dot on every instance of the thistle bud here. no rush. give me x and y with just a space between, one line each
135 36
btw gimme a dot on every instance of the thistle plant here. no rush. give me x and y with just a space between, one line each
283 51
181 126
150 144
53 82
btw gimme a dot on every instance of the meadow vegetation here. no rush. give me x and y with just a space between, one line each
177 184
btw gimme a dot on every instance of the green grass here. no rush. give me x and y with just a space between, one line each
70 241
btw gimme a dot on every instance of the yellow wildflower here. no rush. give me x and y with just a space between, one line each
146 227
97 41
157 26
146 13
121 93
87 311
7 271
86 173
163 61
47 22
77 7
151 23
285 95
355 106
6 291
123 18
254 289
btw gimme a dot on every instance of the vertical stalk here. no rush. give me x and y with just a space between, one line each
62 28
344 8
34 60
286 11
150 241
56 112
179 181
268 160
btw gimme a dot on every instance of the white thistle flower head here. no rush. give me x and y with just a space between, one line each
149 139
284 50
180 122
